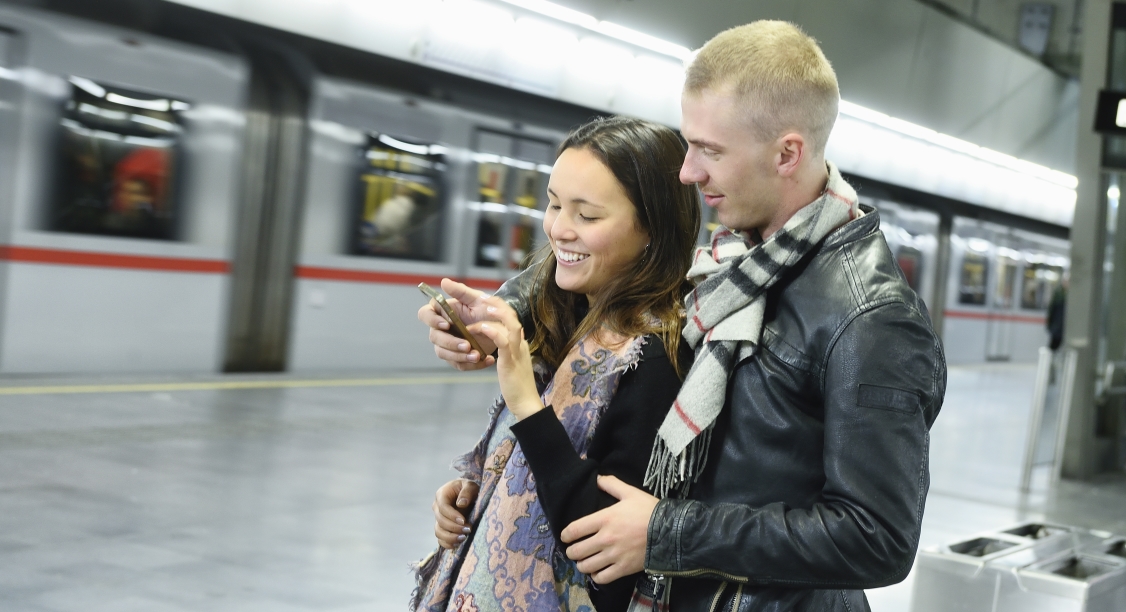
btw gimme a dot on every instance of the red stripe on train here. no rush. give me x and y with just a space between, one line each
987 316
393 278
112 260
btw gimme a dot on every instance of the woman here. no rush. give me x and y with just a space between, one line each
605 339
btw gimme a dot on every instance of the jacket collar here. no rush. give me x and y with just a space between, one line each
855 229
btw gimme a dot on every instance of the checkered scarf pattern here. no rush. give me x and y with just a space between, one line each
725 316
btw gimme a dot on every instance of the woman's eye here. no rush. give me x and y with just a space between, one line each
586 218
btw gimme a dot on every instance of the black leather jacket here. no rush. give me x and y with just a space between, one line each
817 471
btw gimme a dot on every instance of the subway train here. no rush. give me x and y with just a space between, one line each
196 193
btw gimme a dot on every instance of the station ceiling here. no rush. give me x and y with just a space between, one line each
693 24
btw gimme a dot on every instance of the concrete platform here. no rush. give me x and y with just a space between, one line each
286 494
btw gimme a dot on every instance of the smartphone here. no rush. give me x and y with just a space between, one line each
459 328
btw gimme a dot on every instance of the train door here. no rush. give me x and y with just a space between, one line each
967 304
912 236
999 326
509 203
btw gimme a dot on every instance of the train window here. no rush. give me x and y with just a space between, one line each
117 161
1040 280
511 198
975 270
910 261
399 201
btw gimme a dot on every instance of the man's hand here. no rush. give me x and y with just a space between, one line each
451 500
469 304
616 546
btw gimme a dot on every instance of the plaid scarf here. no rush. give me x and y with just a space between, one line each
725 317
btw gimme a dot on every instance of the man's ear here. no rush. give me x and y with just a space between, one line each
791 153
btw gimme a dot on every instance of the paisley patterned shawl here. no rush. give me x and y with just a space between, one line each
510 563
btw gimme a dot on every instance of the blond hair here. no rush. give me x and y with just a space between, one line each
780 75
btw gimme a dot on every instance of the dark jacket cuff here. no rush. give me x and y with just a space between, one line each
662 548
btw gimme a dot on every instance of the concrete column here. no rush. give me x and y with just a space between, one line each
1088 239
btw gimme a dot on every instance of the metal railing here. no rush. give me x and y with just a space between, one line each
1039 405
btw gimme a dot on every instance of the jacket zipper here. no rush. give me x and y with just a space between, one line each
735 600
718 595
705 572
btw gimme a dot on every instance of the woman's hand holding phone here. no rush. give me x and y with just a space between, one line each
514 359
468 304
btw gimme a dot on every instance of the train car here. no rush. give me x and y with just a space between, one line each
402 191
995 287
1000 284
116 197
231 197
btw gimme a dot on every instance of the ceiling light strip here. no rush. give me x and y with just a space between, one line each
633 37
956 144
605 28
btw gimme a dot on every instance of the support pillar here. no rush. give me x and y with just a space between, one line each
1088 233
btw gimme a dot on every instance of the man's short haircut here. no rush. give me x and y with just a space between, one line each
780 75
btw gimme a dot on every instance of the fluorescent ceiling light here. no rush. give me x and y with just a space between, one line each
562 13
88 86
956 144
606 28
643 40
159 104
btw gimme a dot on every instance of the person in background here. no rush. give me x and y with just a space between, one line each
1057 312
604 334
792 472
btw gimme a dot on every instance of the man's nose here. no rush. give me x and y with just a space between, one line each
691 173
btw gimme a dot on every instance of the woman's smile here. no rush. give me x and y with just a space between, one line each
569 258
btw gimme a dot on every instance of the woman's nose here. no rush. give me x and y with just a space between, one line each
562 229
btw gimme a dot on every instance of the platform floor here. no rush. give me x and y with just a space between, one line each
285 494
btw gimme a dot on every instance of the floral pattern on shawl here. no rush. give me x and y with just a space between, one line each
510 563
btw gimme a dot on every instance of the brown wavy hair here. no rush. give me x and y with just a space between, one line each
647 298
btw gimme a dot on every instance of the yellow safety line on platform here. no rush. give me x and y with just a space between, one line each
243 384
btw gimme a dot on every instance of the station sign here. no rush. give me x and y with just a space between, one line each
1110 114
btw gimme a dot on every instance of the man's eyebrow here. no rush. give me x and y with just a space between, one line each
707 144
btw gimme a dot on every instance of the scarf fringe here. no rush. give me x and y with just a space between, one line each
676 473
423 571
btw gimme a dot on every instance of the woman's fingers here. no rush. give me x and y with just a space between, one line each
447 539
499 310
497 333
450 526
429 315
461 292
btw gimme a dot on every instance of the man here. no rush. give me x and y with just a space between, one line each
793 466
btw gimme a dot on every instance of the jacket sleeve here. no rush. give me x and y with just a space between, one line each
517 291
567 483
883 382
